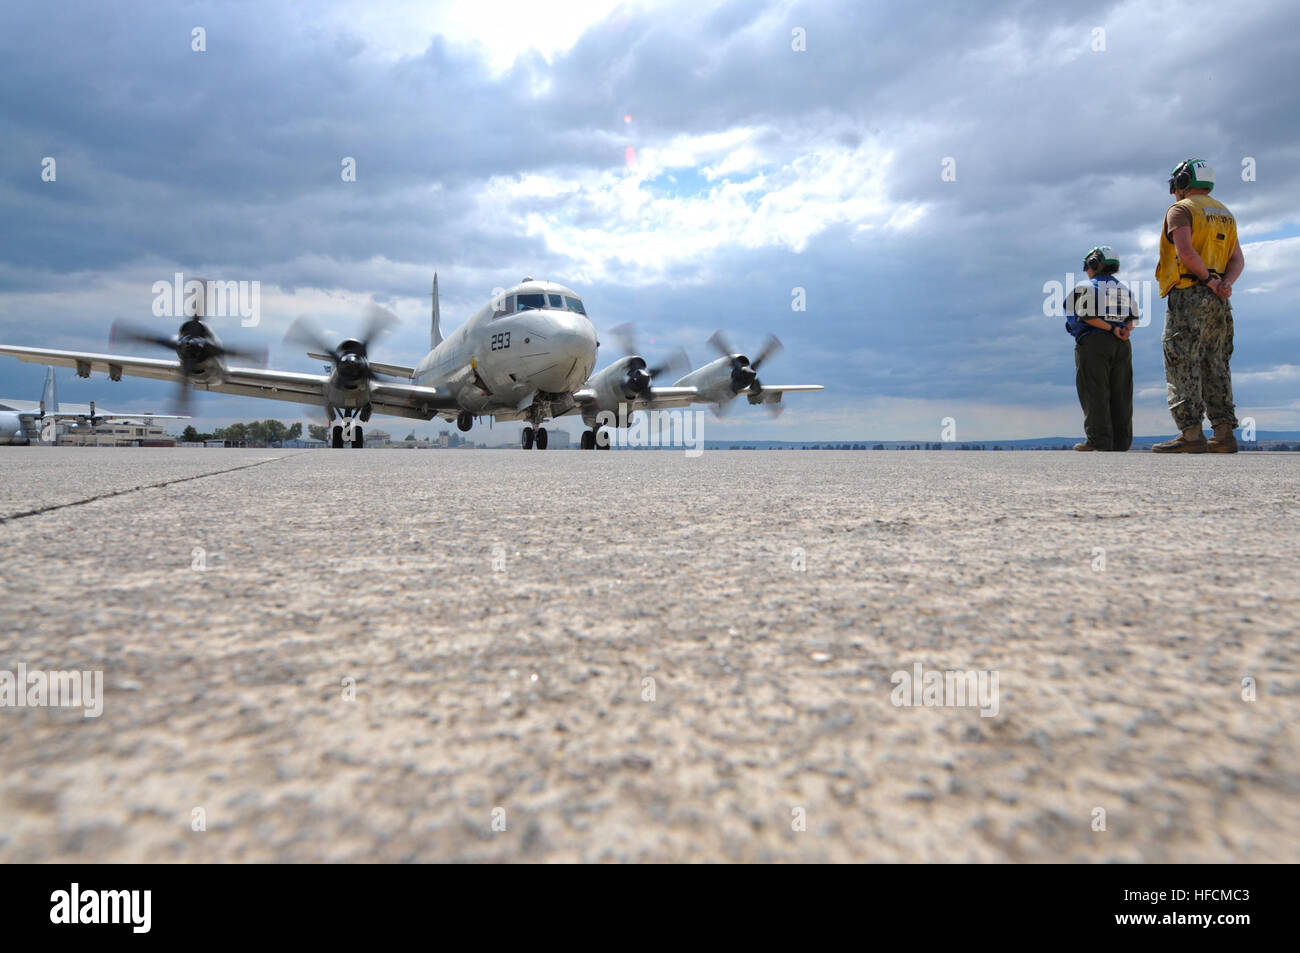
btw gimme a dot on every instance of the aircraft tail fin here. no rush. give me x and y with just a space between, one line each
50 396
435 329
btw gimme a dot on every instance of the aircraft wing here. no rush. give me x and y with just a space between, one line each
112 415
658 397
409 400
662 397
114 365
791 388
667 397
771 396
394 398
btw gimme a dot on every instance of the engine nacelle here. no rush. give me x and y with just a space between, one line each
612 384
11 430
713 382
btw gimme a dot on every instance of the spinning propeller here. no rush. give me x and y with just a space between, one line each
195 346
350 359
640 377
744 372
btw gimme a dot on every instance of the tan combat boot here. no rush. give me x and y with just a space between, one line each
1223 441
1084 446
1191 440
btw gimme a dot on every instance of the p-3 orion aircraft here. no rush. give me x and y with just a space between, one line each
528 354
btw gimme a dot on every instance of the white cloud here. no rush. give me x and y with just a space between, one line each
618 225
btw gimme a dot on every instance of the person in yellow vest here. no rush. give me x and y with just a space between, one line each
1200 259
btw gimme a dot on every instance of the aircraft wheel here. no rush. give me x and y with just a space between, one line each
336 440
464 421
541 438
588 440
598 444
358 439
526 438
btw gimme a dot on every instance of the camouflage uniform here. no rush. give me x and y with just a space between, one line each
1198 345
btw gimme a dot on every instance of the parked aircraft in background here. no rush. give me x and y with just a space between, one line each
21 423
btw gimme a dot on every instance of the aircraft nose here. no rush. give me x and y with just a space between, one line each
573 340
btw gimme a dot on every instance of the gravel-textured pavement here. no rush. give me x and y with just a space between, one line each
387 655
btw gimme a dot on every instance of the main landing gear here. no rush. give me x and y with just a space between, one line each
530 438
340 436
589 441
348 429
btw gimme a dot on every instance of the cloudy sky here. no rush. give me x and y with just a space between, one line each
686 166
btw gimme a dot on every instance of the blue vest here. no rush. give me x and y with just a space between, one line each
1103 296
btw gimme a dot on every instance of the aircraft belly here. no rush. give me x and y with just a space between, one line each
347 397
473 399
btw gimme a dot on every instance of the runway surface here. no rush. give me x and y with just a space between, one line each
615 656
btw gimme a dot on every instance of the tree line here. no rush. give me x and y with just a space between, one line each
257 433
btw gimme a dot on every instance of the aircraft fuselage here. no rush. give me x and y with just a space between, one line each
511 353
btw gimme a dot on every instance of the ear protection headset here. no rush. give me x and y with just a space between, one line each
1184 176
1099 258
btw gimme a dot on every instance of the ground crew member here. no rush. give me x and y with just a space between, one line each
1200 258
1100 314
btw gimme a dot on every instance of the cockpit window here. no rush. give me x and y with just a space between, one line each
574 305
530 301
555 301
503 305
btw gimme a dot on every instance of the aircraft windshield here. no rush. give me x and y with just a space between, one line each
556 302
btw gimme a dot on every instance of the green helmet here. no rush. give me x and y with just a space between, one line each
1102 260
1191 174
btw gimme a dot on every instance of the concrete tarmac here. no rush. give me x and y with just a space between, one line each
398 655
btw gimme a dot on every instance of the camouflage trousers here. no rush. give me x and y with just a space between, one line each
1198 346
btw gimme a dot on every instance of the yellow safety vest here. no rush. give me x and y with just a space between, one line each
1214 236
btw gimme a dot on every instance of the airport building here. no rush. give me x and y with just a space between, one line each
117 433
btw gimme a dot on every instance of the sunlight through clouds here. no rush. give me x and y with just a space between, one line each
619 226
